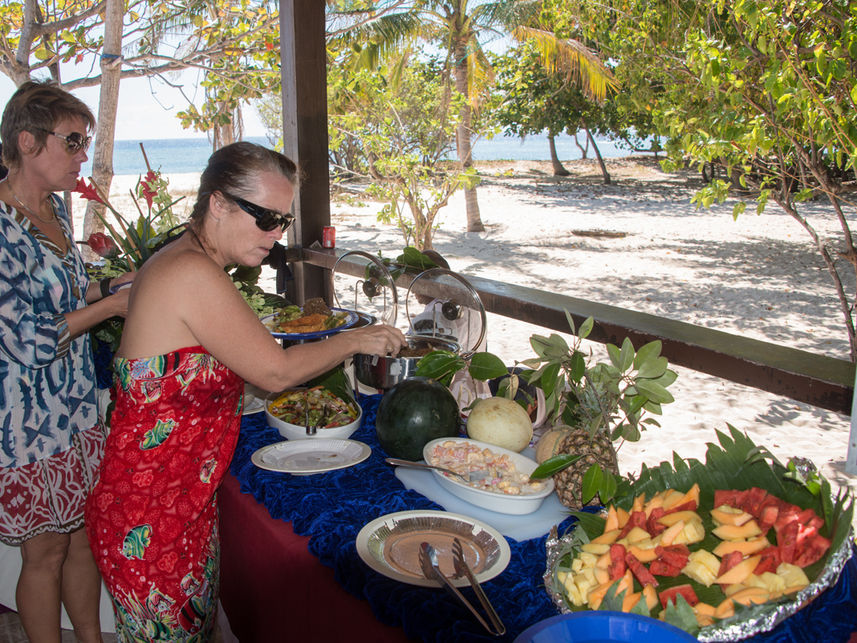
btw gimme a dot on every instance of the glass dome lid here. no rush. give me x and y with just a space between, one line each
441 303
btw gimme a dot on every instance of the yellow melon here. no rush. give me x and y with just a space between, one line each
500 421
726 515
740 572
549 443
737 532
746 547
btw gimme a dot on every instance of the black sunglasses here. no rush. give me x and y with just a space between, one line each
266 219
74 141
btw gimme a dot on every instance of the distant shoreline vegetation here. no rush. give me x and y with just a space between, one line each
185 155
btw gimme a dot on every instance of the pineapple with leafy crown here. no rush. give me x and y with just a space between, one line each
600 404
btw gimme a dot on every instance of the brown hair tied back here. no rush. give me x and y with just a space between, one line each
37 107
235 168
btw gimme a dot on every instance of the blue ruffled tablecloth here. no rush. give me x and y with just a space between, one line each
332 507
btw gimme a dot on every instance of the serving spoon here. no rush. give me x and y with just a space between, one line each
472 476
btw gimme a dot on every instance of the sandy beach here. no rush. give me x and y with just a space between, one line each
641 244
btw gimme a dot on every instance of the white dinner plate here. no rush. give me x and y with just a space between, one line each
310 456
390 545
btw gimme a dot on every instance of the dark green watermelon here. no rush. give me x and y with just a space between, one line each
414 412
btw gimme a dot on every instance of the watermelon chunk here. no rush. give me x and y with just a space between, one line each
669 595
662 568
787 540
770 560
616 568
636 519
768 517
643 575
753 500
811 550
673 555
652 525
729 561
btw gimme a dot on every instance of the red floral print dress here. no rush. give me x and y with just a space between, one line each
152 516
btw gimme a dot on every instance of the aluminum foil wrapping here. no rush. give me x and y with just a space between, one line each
727 630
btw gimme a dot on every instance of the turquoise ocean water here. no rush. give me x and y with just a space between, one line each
180 155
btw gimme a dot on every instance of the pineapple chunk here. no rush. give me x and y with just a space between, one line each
692 532
595 548
794 577
576 566
702 566
561 576
776 585
588 559
637 534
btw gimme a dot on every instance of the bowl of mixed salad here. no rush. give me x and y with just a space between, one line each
326 414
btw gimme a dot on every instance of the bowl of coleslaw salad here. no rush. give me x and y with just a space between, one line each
333 417
501 482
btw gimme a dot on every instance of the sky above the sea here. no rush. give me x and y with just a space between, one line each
147 108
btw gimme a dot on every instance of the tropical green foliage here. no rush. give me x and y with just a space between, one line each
400 135
765 90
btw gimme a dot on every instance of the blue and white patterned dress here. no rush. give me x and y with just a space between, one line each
47 379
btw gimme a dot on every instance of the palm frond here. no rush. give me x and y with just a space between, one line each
572 58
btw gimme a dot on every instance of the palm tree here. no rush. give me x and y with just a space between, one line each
457 26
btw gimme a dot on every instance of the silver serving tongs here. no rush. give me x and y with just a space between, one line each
428 562
462 568
310 430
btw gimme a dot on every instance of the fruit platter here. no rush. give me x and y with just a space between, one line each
723 549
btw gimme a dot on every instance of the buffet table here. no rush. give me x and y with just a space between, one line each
278 527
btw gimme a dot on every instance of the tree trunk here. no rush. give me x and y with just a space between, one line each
558 169
462 135
108 100
584 151
604 171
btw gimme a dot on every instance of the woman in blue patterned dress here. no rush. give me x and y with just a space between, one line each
51 438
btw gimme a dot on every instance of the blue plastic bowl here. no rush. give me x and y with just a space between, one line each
603 627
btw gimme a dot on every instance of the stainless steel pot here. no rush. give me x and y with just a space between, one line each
385 372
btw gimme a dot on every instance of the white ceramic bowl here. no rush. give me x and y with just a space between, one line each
492 500
298 432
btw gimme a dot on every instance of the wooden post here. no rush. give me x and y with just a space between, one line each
304 82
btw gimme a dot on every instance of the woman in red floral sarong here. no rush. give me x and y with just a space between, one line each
189 343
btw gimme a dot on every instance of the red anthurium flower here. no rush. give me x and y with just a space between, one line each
102 245
87 191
